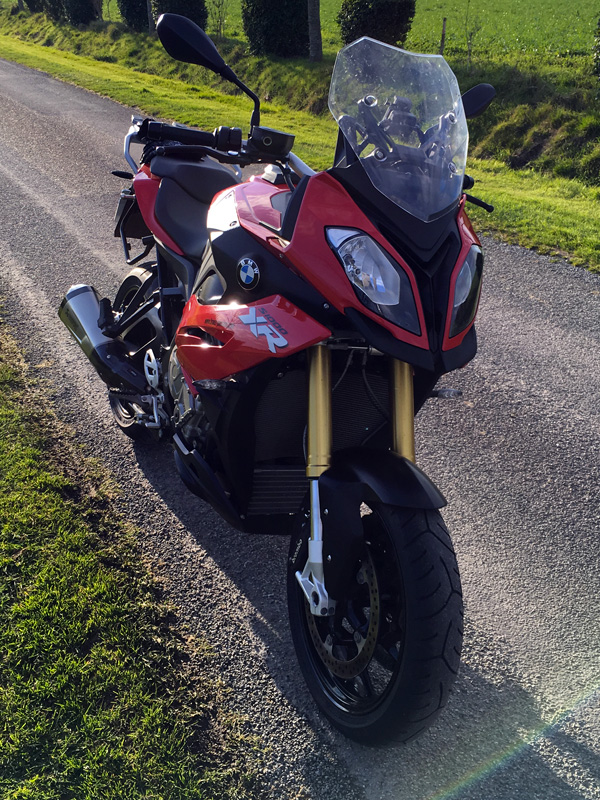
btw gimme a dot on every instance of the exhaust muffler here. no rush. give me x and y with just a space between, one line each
80 312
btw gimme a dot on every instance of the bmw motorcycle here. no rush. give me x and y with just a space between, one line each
283 334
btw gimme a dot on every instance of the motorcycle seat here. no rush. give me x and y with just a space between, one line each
182 217
201 179
186 191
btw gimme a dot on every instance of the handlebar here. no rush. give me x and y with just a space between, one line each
225 144
158 131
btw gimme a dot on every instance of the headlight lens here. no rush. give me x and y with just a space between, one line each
466 291
380 283
367 266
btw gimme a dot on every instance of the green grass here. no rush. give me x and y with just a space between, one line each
556 216
98 698
560 27
505 26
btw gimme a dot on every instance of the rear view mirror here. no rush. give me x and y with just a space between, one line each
185 41
477 99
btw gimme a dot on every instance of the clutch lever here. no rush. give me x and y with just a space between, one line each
477 202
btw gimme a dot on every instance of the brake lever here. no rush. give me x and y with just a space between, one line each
476 202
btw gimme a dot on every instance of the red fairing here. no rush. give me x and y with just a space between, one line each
146 186
256 204
327 204
468 238
250 334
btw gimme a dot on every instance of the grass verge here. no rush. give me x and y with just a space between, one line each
98 698
553 215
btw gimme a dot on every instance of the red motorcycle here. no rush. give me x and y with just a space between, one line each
286 332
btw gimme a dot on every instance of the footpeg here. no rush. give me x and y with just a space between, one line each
106 318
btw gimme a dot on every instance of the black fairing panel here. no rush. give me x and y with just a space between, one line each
230 247
383 340
422 238
459 356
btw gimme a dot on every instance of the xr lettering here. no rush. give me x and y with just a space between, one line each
260 327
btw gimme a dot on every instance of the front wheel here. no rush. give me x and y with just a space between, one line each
381 668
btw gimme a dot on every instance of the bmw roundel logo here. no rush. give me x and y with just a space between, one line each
248 273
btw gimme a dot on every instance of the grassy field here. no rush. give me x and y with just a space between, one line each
100 695
556 28
506 26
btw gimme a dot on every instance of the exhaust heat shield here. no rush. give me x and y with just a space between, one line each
80 311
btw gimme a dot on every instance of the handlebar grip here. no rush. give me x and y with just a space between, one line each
173 133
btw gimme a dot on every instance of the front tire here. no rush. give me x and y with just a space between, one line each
381 668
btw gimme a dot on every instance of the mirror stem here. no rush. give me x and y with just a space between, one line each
230 75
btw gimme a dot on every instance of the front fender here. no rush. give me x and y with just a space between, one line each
386 477
358 475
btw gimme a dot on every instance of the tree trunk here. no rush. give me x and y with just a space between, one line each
151 26
315 44
20 5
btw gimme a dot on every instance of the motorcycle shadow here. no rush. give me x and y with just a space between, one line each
489 731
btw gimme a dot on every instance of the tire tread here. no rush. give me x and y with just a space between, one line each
434 622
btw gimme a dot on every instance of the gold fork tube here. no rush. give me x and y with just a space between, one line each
403 409
319 411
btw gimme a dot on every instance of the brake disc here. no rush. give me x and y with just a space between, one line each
330 634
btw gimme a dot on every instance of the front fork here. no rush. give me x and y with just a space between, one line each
311 579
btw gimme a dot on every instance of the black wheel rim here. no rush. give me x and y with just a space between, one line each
356 654
125 413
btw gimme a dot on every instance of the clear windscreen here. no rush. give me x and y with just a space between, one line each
402 114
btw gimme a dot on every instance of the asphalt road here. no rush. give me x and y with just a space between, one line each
518 459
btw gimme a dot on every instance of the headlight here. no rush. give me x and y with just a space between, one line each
379 282
466 292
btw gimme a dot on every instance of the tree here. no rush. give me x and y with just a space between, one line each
217 11
134 13
53 9
151 25
192 9
596 50
75 12
386 20
315 44
80 12
276 27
